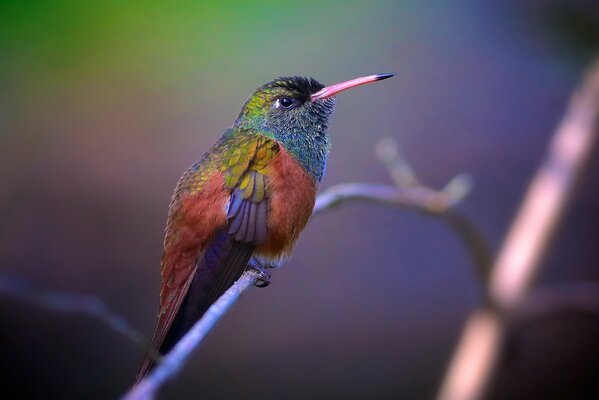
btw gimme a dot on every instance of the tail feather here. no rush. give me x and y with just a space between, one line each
218 268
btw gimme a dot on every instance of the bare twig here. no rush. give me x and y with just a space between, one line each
419 198
70 302
525 245
401 171
474 241
440 203
174 361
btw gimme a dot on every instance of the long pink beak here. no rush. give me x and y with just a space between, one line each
334 89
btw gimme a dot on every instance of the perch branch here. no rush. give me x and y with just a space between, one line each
526 242
173 362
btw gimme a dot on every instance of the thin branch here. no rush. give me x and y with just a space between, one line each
435 202
173 362
419 198
73 303
441 203
530 234
400 170
474 241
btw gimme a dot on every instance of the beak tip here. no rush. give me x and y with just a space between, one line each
380 77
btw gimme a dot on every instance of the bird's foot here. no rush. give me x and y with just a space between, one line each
263 273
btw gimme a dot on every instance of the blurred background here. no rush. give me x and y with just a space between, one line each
104 104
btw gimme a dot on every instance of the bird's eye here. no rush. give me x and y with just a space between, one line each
286 102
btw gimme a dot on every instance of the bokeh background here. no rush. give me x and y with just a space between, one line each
103 104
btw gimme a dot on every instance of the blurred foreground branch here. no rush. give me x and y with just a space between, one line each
525 245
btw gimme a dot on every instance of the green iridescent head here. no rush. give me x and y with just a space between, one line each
295 111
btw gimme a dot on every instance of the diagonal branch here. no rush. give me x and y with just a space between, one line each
174 361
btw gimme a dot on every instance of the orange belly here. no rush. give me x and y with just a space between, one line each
292 193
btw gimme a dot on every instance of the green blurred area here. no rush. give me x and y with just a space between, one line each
58 42
67 42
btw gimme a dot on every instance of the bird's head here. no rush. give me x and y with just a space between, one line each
295 102
285 105
296 111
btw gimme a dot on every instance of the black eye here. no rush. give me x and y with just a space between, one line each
286 102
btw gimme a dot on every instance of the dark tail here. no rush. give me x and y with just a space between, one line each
220 266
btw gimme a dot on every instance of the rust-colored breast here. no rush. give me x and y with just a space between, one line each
291 193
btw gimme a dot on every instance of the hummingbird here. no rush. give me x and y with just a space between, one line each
245 202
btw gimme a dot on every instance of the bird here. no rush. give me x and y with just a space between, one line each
245 202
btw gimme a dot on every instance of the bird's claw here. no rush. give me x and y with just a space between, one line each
263 273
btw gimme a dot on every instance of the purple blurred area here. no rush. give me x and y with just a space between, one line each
99 117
